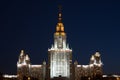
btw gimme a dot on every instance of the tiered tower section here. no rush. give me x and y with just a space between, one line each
60 55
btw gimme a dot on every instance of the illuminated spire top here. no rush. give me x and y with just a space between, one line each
60 14
60 26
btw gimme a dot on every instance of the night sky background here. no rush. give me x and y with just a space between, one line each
91 25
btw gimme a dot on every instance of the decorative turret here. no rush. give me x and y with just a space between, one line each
27 59
92 59
44 62
97 59
23 58
22 53
97 66
75 63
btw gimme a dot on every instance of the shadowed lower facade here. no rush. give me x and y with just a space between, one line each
60 65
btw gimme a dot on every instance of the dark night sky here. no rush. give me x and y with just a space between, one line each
91 25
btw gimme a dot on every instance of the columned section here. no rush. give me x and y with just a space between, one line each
60 63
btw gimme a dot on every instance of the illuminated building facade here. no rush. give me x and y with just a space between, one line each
60 55
26 70
59 62
93 70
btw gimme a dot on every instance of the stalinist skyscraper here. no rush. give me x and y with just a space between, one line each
59 65
60 55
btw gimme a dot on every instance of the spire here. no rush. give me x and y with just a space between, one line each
27 57
22 53
97 54
60 26
92 58
60 14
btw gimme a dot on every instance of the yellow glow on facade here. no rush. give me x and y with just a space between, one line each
57 33
62 28
63 34
57 28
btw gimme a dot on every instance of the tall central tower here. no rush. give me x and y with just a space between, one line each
59 55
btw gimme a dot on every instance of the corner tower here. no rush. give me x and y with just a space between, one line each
60 55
